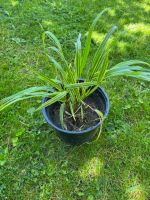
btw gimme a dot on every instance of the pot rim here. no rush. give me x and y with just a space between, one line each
83 131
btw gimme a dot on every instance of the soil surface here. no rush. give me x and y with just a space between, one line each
90 117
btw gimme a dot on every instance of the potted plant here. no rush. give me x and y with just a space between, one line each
73 102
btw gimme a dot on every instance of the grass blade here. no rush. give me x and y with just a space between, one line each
25 94
100 114
72 111
88 40
47 80
53 38
82 113
145 76
61 115
131 62
78 56
56 42
56 98
132 71
103 69
56 65
56 50
100 52
115 71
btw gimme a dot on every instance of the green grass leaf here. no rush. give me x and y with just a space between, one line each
56 98
100 114
103 69
52 82
61 115
32 92
88 40
100 53
72 111
131 62
57 66
53 38
78 56
132 71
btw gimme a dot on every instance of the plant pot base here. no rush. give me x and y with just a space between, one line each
78 137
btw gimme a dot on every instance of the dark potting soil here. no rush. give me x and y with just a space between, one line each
90 117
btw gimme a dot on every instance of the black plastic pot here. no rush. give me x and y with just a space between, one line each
78 137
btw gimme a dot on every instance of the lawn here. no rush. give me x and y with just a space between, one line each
34 163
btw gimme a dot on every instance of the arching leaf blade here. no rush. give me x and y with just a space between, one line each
56 98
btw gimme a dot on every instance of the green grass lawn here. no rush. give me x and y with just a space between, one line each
35 164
